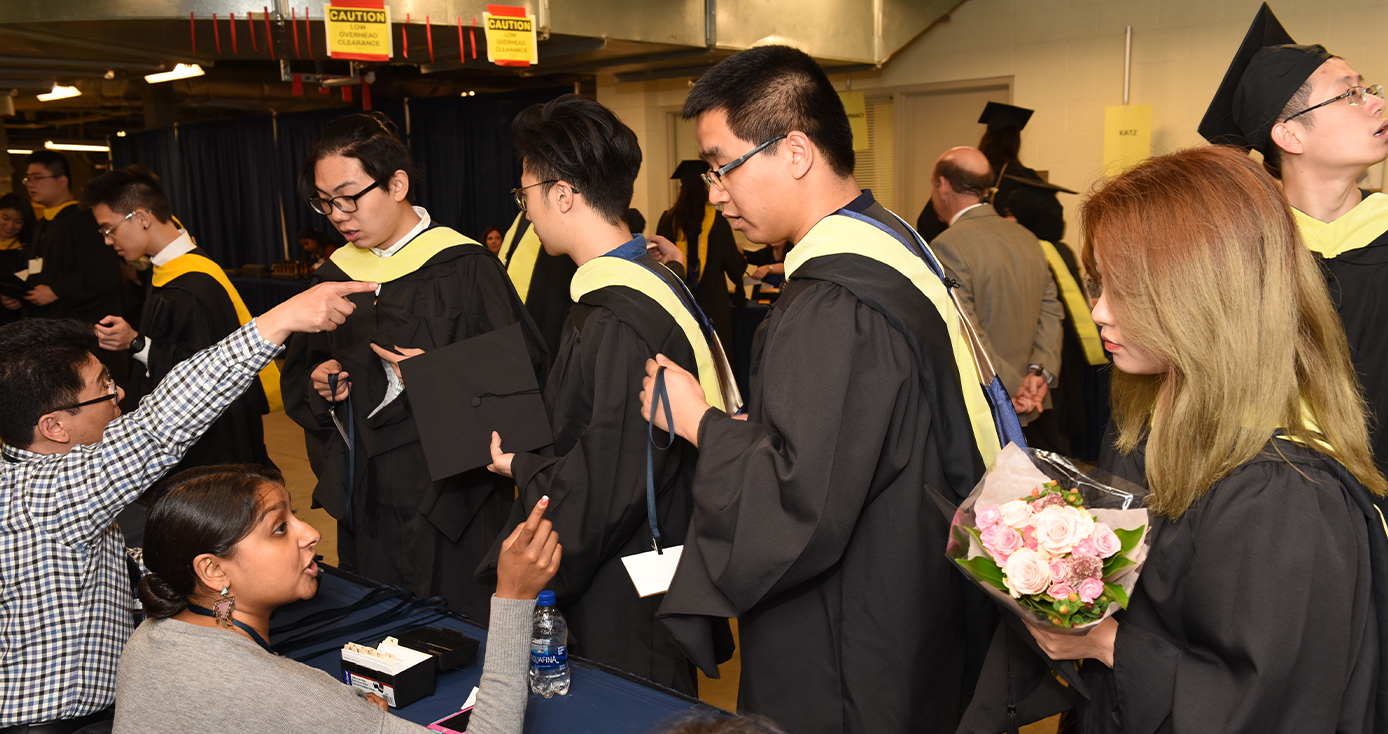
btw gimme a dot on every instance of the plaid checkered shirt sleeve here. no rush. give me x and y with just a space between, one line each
66 607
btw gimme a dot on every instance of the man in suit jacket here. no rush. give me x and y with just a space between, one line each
1004 283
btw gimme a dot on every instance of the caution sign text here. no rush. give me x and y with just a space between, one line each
511 36
358 30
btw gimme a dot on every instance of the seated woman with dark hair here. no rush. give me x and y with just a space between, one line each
225 550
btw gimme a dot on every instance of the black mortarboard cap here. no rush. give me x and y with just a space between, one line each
1038 183
690 171
475 386
1266 72
999 116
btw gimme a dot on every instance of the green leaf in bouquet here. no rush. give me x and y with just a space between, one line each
1115 563
1117 593
1129 538
985 569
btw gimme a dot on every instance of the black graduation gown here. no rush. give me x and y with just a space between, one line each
186 315
405 529
1255 612
1358 283
711 290
596 480
811 523
83 272
12 261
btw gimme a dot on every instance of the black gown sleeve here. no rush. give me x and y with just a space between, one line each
1271 603
596 488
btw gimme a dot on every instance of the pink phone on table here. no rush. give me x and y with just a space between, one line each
453 723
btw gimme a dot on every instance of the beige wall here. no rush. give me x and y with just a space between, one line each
1066 61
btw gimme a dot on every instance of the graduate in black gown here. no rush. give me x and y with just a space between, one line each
16 230
812 523
396 524
1260 607
541 279
630 308
189 306
705 240
1319 128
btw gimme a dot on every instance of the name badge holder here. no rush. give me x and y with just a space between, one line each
653 570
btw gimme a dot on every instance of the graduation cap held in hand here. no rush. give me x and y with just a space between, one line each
474 387
1266 72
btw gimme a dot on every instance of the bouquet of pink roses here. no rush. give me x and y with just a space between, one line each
1052 543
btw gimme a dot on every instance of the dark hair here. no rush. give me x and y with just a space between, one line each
636 222
55 162
370 138
489 230
963 180
41 364
208 509
26 212
126 189
702 723
771 90
309 233
1272 157
688 212
573 138
1001 146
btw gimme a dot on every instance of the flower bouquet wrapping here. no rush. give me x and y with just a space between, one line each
1059 547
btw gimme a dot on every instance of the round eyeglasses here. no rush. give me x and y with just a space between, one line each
344 204
1354 94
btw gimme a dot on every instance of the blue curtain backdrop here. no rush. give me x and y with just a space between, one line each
228 180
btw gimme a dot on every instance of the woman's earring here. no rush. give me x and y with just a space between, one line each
223 607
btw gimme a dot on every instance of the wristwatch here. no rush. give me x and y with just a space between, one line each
137 344
1037 369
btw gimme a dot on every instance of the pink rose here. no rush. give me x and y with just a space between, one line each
1060 570
1105 542
987 516
1086 547
1090 589
1058 529
1061 591
1027 572
1015 513
1006 541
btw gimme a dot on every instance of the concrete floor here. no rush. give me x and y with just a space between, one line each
285 442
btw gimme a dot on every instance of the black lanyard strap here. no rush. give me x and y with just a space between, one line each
204 611
347 423
659 397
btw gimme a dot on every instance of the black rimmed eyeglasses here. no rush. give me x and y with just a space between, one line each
1355 95
715 177
110 395
517 194
344 204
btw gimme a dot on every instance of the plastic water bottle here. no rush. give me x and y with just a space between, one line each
549 654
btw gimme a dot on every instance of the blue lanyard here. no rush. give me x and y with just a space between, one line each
633 250
204 611
659 398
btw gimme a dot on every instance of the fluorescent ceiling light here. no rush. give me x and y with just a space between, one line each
60 92
18 151
77 146
181 71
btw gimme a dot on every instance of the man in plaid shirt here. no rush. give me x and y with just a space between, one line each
70 464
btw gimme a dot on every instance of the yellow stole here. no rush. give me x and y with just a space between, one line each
195 263
520 265
1077 305
12 243
362 266
843 235
682 241
603 272
50 212
1356 228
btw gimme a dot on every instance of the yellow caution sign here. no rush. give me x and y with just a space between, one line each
511 36
358 30
856 106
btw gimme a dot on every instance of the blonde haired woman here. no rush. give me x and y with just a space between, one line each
1235 401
